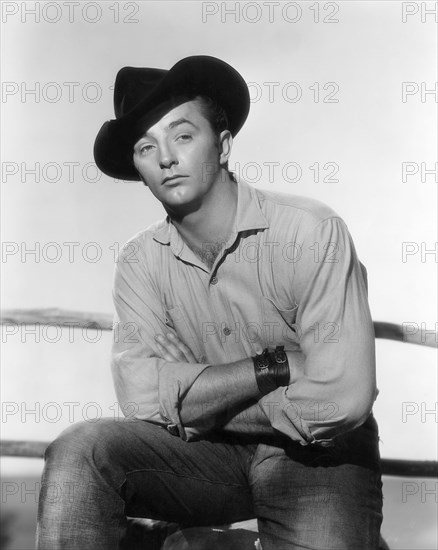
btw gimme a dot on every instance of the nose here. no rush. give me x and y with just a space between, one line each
167 157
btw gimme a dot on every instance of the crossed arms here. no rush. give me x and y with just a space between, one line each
332 384
223 396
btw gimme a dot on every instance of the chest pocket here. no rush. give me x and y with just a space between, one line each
177 319
281 325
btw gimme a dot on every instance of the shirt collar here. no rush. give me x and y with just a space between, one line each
249 216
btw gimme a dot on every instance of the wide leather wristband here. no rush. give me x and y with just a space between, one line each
271 369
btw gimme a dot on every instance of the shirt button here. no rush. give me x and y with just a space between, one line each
214 280
226 331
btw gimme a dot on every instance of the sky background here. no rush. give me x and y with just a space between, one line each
326 81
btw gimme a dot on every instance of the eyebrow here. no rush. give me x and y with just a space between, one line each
176 123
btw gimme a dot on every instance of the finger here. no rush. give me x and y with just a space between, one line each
170 348
165 354
189 356
185 350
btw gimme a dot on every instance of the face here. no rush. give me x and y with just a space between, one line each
180 157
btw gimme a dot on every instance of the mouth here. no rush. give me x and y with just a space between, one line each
172 179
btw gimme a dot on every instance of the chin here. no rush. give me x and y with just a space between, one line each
183 200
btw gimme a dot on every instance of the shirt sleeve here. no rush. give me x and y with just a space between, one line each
336 389
143 381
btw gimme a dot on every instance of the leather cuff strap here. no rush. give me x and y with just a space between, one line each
271 369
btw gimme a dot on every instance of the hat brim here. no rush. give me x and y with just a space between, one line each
195 75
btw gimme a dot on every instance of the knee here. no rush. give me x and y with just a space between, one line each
79 442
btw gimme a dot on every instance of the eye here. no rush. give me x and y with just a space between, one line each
143 148
184 137
146 148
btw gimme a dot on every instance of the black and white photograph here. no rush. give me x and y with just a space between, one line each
219 253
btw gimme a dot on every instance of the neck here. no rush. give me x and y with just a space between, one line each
213 221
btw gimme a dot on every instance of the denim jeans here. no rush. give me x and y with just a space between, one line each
97 474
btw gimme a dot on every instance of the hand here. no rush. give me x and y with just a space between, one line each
173 349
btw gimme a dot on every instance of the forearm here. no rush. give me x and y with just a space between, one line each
222 396
251 420
217 392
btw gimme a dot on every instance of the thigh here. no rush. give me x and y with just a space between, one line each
316 498
191 483
158 475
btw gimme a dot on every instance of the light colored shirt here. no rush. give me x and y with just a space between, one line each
288 275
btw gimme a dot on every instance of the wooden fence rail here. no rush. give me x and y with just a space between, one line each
57 317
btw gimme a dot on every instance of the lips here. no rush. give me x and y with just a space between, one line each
172 178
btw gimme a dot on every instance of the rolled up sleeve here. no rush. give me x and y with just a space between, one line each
336 389
145 384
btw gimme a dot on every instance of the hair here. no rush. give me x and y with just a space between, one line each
210 110
218 120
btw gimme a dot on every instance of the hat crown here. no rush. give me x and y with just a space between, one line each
132 85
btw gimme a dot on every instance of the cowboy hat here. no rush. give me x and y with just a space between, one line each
139 91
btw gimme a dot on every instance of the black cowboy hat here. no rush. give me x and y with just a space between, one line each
138 91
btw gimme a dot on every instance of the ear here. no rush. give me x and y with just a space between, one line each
225 146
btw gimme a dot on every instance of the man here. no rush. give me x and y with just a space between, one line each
243 353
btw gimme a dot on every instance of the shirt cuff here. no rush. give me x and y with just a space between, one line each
174 381
285 416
